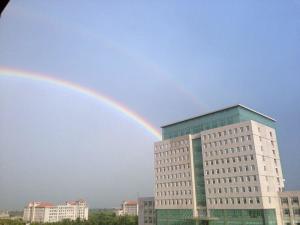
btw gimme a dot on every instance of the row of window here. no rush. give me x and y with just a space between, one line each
246 168
231 179
148 203
174 184
296 212
174 176
225 132
293 200
233 190
233 201
174 202
227 151
227 141
174 193
175 159
172 152
244 158
172 168
172 144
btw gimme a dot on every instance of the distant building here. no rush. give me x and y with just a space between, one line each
128 208
290 208
4 215
47 212
146 211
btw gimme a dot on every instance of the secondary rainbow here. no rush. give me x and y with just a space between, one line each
9 72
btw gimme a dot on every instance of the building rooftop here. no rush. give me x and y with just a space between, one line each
217 111
130 202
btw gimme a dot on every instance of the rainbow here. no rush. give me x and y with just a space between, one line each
118 106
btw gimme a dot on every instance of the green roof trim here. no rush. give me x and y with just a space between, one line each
226 116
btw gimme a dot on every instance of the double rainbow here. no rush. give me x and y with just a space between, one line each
106 100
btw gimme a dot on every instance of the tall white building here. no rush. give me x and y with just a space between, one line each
219 168
47 212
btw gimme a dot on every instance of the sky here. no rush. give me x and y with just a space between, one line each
164 60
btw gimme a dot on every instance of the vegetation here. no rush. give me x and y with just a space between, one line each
11 222
95 218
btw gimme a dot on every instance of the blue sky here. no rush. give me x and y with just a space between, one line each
165 60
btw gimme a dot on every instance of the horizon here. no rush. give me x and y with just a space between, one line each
85 88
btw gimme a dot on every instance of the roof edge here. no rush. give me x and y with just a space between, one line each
222 109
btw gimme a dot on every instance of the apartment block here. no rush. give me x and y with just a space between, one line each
45 212
219 168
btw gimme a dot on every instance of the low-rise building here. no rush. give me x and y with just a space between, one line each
290 207
146 211
47 212
4 215
129 207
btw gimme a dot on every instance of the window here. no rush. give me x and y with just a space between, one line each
286 212
254 178
295 200
296 211
257 200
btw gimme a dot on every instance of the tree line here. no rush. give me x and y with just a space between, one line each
95 218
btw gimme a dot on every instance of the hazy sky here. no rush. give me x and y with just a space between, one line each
165 60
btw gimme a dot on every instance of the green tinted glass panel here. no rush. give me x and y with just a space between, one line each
199 173
217 119
243 217
174 217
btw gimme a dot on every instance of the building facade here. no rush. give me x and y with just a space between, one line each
220 168
45 212
290 207
146 211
